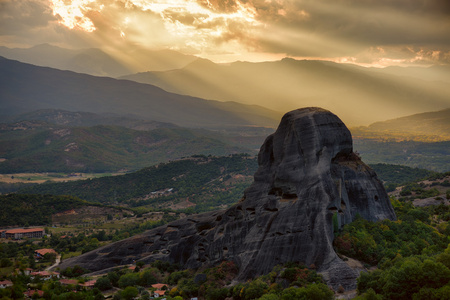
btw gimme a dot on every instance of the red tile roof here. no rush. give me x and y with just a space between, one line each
89 283
160 293
159 286
45 251
21 230
68 281
6 282
44 273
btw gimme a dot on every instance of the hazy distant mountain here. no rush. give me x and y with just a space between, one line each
143 60
96 62
429 123
25 88
432 73
359 96
90 61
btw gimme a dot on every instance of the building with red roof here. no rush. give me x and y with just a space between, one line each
5 284
158 293
159 286
68 281
19 233
41 252
89 284
45 274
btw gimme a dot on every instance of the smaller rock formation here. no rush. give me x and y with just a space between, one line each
307 174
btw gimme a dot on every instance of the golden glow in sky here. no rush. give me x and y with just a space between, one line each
365 32
72 14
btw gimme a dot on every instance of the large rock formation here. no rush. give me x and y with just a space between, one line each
307 173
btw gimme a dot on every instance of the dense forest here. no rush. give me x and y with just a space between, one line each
29 210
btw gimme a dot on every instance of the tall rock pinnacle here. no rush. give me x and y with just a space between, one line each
307 173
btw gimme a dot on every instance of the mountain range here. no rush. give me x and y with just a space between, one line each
25 88
359 95
96 62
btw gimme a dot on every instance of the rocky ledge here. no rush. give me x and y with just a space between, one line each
307 174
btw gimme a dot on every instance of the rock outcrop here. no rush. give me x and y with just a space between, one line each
307 173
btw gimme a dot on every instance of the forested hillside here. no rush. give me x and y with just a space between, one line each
197 183
42 147
20 209
412 254
203 183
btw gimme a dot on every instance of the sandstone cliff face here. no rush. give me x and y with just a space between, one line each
307 173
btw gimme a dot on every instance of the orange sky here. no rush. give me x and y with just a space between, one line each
379 33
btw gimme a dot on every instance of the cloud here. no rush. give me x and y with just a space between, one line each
21 17
353 29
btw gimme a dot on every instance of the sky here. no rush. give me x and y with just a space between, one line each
366 32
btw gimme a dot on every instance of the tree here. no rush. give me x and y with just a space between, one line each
5 262
129 279
103 284
147 278
255 289
129 292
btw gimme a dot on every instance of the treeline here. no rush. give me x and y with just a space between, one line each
187 177
395 175
31 210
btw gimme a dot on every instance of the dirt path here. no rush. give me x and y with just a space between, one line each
57 261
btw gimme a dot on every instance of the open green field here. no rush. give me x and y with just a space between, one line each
47 176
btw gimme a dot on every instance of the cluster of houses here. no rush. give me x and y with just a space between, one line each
158 292
158 289
19 233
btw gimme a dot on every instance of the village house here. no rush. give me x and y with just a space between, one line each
41 252
68 281
89 284
46 275
5 284
26 271
160 286
20 233
158 293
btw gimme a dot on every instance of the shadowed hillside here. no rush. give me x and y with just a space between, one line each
25 88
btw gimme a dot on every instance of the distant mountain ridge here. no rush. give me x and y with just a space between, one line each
437 123
90 61
359 95
25 88
423 127
96 62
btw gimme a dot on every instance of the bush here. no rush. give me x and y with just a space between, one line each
103 284
130 279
